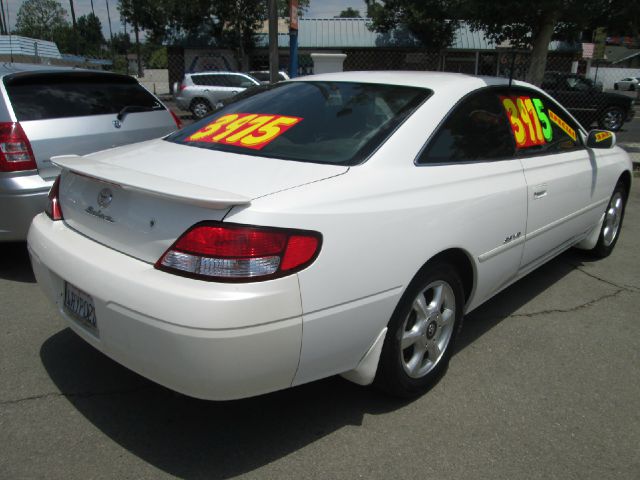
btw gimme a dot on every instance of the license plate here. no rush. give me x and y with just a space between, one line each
80 306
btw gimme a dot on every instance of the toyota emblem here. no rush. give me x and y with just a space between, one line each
104 197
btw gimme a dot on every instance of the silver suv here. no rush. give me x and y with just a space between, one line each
201 92
48 111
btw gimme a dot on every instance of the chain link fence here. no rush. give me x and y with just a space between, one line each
587 91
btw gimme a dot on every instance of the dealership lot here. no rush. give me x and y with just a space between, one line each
544 385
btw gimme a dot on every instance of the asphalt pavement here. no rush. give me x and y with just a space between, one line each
545 384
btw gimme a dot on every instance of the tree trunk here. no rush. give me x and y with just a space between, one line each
136 30
542 37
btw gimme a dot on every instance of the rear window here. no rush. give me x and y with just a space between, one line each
338 123
75 94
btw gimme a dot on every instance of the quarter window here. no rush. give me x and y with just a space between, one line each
538 124
476 130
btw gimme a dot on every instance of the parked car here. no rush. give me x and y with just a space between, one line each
200 92
629 83
336 224
264 76
587 102
47 111
249 92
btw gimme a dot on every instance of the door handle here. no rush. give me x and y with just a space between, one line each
539 192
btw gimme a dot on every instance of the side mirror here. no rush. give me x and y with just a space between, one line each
601 139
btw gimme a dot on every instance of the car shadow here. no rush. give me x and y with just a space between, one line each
192 438
15 264
510 300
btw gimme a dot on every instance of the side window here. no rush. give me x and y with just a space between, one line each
240 81
477 129
538 124
217 80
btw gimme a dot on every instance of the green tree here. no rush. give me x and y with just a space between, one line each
90 34
433 22
349 13
65 39
158 58
121 43
624 18
40 18
533 25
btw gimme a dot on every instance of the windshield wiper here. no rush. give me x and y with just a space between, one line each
134 109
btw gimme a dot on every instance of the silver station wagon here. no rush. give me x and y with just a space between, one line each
47 111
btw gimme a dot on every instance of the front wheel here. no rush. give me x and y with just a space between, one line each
612 224
611 119
422 332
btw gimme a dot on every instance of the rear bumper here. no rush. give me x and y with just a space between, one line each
207 340
22 197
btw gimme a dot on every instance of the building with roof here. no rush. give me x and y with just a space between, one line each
18 46
470 52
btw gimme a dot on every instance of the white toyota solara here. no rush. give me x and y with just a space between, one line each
335 224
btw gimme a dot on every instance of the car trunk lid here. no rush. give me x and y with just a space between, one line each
139 199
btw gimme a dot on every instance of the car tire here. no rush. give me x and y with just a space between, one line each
612 224
200 108
611 118
632 87
615 86
422 332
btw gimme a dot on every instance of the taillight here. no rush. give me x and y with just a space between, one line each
53 209
182 86
227 252
15 150
176 119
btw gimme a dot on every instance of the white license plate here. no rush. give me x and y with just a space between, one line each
80 306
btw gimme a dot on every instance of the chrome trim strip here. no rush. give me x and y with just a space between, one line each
571 216
503 248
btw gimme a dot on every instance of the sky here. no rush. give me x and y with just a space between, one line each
317 8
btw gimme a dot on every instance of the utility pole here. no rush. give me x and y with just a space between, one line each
92 10
113 53
3 23
293 38
75 29
273 41
138 55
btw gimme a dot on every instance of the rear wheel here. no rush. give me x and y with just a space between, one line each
611 118
422 331
612 224
615 86
200 108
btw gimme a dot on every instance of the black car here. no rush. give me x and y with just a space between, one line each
587 102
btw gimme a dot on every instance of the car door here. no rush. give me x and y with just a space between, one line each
469 162
561 174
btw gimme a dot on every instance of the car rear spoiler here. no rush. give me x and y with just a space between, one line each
130 179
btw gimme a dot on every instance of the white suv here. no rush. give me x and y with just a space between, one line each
200 92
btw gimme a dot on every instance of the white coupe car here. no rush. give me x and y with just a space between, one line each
336 224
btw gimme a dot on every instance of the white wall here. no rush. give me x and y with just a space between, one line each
156 80
609 75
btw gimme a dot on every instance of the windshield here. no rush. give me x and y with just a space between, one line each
339 123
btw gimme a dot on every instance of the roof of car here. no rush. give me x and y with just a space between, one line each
432 80
217 72
8 68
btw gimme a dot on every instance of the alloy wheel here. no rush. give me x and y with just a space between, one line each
427 329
